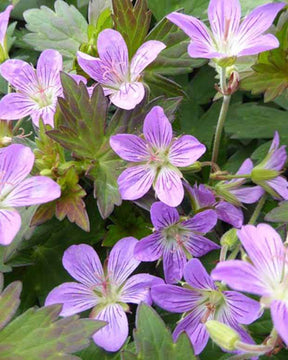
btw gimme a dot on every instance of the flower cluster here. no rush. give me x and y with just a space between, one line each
184 208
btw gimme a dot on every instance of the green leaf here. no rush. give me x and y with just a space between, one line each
38 334
127 221
93 352
154 340
9 301
252 121
174 59
132 22
160 85
279 214
63 30
271 70
80 120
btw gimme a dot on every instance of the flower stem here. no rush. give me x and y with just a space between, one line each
222 115
257 210
251 348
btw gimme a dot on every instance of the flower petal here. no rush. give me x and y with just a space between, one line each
10 223
174 260
229 213
46 114
168 187
163 215
112 336
185 151
254 25
33 191
16 162
16 106
196 276
20 75
157 128
202 196
4 19
144 56
202 222
121 261
174 298
248 194
83 264
202 43
241 308
95 68
137 288
280 185
150 248
198 245
224 17
195 329
129 147
113 51
135 182
279 313
265 249
74 297
128 96
240 275
48 70
260 44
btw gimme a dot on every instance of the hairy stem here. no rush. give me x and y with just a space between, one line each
222 116
257 210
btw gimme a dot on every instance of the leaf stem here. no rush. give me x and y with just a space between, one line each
257 210
222 115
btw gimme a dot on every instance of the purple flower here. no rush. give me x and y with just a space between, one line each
233 191
203 198
266 276
173 239
201 300
229 38
266 174
36 90
4 19
120 80
107 290
157 159
16 162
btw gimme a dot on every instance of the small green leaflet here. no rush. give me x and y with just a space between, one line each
279 214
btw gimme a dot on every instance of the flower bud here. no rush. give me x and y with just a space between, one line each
222 335
229 238
259 175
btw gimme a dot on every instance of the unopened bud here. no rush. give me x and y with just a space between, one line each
5 141
46 172
233 83
229 238
259 175
222 335
195 167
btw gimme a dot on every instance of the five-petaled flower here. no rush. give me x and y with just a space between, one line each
16 162
158 157
36 90
174 239
267 173
266 276
201 300
106 290
229 38
120 80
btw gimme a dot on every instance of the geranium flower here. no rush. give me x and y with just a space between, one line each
4 19
229 38
157 159
36 90
201 300
173 239
204 198
267 173
120 80
106 290
16 162
233 190
266 276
